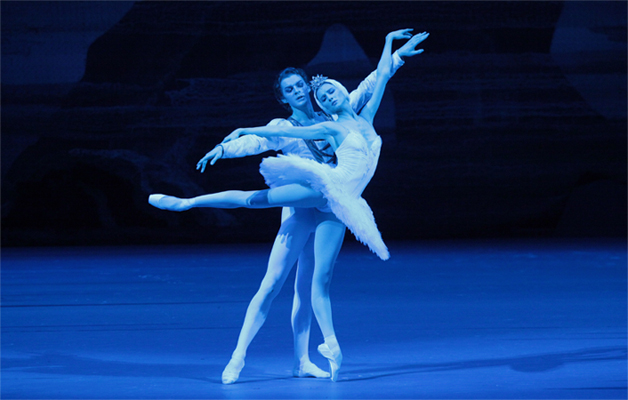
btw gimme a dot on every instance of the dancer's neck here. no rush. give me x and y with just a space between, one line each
305 115
347 115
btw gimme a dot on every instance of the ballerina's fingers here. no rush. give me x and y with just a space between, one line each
401 34
416 39
405 34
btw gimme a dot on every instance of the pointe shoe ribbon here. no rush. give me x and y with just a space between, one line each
335 360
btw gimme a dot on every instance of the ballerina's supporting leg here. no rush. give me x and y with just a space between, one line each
328 241
293 195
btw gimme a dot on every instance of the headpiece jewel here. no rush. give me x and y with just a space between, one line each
317 81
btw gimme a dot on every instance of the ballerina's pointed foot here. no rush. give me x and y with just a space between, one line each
232 371
334 357
169 203
309 370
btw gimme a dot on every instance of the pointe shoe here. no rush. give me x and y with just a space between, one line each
335 360
169 203
232 371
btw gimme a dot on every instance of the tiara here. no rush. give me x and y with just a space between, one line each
317 81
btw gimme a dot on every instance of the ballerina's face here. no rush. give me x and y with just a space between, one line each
295 91
330 97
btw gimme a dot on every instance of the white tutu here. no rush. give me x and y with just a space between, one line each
342 186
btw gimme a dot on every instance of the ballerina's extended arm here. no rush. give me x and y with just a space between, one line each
383 74
384 69
325 130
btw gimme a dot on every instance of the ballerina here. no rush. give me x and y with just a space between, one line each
297 182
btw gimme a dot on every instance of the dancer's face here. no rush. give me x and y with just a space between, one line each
296 92
330 97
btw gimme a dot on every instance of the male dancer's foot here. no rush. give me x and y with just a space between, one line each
169 203
232 371
331 351
308 369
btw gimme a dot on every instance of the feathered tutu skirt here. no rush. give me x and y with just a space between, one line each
352 210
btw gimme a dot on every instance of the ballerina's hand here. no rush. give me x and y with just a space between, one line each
213 156
400 34
408 49
233 135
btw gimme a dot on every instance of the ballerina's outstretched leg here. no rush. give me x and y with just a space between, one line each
169 203
292 195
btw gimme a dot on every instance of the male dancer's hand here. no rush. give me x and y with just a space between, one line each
408 49
212 157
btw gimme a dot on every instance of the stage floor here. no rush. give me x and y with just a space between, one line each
533 319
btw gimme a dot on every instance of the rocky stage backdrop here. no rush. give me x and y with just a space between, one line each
512 123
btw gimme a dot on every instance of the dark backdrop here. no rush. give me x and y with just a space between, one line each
511 124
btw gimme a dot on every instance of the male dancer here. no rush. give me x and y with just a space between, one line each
312 236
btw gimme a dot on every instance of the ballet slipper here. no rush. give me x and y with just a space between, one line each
334 358
169 203
232 371
307 370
